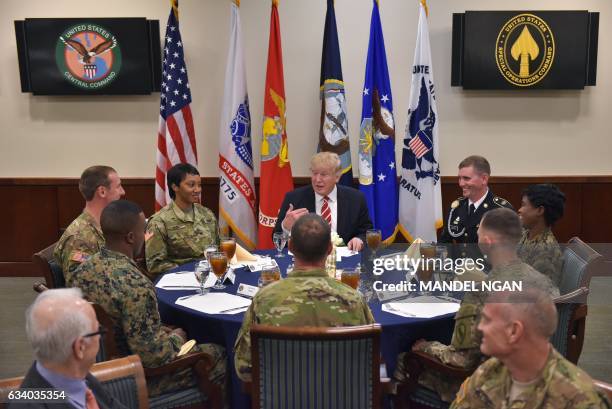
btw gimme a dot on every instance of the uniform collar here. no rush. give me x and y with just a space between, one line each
312 272
107 253
180 214
479 201
88 218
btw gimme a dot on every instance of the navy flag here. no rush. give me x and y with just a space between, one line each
333 132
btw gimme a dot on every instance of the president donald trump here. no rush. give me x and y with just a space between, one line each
344 208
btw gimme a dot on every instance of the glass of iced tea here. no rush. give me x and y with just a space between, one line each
269 274
218 263
373 238
228 246
350 277
209 250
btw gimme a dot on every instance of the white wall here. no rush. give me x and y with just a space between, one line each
535 133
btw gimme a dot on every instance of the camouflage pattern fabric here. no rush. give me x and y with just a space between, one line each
464 351
175 237
113 281
81 240
304 298
561 385
542 253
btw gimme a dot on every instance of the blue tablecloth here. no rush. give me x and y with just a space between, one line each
398 332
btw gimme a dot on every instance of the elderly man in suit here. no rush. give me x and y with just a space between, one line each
344 208
65 336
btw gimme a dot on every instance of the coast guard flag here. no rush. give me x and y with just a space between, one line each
377 174
275 176
420 197
175 135
236 186
333 132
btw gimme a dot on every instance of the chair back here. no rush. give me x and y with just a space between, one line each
604 388
316 366
580 262
108 345
122 378
47 267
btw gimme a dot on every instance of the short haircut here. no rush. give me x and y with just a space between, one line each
119 218
328 160
533 306
177 173
310 238
92 178
503 222
480 164
550 198
52 340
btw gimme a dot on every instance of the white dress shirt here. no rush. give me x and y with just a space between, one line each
479 201
333 206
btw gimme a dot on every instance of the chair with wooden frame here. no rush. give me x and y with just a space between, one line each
47 267
342 363
122 378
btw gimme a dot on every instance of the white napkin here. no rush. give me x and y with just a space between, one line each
422 307
178 281
216 303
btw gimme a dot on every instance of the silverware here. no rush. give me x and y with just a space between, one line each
188 296
233 309
181 286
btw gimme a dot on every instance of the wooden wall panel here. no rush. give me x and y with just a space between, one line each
35 210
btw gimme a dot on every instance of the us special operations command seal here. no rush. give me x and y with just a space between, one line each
88 56
525 50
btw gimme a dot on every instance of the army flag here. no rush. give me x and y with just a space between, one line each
175 133
236 184
377 173
333 131
420 198
275 175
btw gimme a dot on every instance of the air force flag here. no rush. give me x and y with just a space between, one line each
377 170
420 200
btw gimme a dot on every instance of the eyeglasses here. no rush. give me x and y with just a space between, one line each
101 331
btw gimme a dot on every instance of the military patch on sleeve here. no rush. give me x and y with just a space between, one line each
78 256
148 235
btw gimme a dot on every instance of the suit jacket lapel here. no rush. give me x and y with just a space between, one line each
310 201
340 215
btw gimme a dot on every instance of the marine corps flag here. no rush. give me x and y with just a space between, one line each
377 174
275 178
236 186
420 197
333 132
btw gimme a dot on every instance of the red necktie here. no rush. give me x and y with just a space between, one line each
326 211
90 400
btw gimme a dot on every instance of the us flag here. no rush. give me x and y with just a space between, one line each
420 144
175 136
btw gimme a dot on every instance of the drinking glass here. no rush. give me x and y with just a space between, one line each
218 263
373 238
209 250
350 277
228 246
280 239
269 274
201 272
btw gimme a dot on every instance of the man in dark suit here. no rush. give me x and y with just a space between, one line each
344 208
463 219
65 336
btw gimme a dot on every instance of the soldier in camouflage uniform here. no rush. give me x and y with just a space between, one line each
112 279
501 228
181 231
525 372
307 297
99 186
541 206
